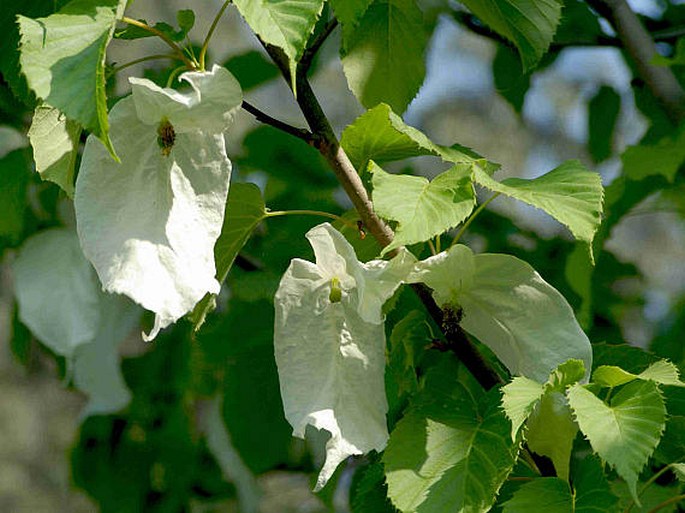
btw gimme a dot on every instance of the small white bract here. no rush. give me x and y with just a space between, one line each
330 345
61 303
509 307
149 223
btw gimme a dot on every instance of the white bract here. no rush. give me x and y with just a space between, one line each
149 223
61 303
509 307
330 345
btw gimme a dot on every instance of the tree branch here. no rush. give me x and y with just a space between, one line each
640 46
263 117
339 162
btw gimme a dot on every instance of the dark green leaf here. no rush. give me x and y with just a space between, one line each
548 494
603 110
529 24
14 177
251 69
386 47
510 80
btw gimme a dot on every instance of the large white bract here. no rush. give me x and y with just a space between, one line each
509 307
330 345
149 223
61 303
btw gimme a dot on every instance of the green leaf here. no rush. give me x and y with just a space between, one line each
14 177
529 24
626 432
349 11
55 140
661 372
449 451
251 69
519 399
548 494
185 19
283 23
383 55
551 431
510 80
593 492
661 158
244 211
567 374
380 135
423 209
406 336
9 42
368 491
569 193
63 58
679 471
603 110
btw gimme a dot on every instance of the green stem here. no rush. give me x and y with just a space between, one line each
647 484
468 222
177 49
173 75
672 500
432 247
320 213
215 22
117 69
437 244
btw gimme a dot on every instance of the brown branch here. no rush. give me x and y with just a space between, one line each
639 44
329 146
263 117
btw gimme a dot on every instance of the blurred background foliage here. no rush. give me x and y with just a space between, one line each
583 101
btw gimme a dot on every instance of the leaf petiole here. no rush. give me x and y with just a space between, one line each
210 33
473 216
177 49
117 69
278 213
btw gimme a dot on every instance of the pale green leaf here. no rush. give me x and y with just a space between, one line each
519 399
283 23
626 432
679 471
507 305
349 11
63 58
569 193
449 454
529 24
383 55
380 135
54 140
548 494
661 372
551 431
244 211
423 209
330 351
568 373
661 158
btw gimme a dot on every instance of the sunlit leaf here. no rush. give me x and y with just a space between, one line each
63 58
423 209
625 432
